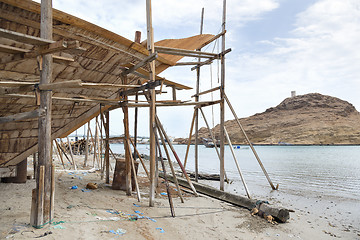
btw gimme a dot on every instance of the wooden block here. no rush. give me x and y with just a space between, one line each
119 180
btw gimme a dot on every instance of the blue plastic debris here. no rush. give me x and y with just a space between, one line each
163 193
119 231
112 212
85 190
138 212
161 230
74 187
136 205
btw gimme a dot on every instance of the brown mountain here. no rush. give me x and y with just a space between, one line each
305 119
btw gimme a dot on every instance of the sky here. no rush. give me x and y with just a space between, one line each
278 46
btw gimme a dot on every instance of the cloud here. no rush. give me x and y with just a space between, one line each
321 56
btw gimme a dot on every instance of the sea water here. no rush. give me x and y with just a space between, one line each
325 179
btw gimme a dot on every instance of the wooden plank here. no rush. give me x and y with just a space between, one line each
22 116
40 197
20 37
12 50
185 52
141 64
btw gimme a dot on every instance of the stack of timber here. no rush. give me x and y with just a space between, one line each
88 70
78 147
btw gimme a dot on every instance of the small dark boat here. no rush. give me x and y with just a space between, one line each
209 143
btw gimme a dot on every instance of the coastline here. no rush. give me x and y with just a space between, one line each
92 215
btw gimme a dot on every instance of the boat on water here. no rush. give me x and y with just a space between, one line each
209 143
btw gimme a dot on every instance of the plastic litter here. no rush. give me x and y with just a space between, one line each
136 205
74 187
163 193
138 212
58 227
161 230
85 190
119 231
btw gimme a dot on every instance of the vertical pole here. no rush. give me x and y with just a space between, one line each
107 147
150 46
127 148
196 109
222 103
236 162
43 178
35 164
137 40
87 144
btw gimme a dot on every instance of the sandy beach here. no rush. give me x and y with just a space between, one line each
108 214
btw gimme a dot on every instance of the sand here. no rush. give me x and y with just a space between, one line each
108 214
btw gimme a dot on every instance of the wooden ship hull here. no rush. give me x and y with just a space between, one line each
94 56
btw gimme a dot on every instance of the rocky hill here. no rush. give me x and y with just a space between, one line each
305 119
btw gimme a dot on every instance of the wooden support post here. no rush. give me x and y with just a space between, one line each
102 162
190 135
222 103
196 109
174 92
35 163
137 40
151 48
214 140
127 148
250 144
141 160
175 155
87 144
107 147
134 172
43 183
58 153
236 162
52 192
171 166
172 210
71 152
40 217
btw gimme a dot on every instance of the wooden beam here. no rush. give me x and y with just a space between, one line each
12 50
20 37
211 59
280 214
184 52
143 63
22 116
207 91
150 85
212 39
193 63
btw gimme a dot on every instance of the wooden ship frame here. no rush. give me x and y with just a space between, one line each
57 72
